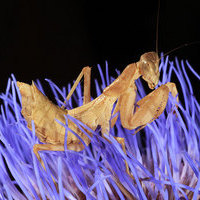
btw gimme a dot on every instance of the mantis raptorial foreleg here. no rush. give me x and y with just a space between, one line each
148 109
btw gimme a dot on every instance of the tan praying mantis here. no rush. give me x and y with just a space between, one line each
37 107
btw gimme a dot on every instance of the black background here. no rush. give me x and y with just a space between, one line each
55 39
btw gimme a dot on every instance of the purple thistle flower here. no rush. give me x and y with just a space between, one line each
163 159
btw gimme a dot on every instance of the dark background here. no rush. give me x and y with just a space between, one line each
55 39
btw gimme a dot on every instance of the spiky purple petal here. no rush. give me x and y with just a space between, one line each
164 159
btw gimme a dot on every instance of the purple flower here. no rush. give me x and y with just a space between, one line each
164 158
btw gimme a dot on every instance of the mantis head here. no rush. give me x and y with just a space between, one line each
149 68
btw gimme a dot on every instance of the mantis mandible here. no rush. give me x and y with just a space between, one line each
37 107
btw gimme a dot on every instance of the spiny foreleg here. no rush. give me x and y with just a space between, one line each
147 109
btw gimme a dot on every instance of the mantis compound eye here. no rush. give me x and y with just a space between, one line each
152 59
149 68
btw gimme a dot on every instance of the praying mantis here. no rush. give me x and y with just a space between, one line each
37 107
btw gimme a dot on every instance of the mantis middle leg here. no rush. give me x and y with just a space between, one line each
86 72
122 142
130 101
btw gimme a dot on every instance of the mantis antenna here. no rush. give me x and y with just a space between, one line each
157 25
157 34
179 47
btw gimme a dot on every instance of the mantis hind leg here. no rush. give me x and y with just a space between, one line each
46 147
55 147
86 72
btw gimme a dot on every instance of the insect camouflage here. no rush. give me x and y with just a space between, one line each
98 112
